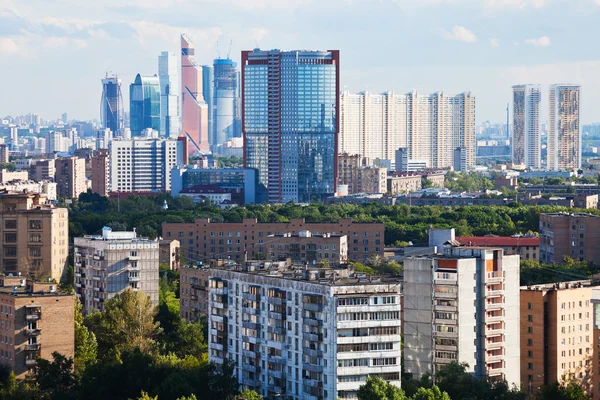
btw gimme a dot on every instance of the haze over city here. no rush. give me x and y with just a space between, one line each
56 52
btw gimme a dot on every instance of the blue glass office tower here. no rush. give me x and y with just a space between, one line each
226 96
290 121
144 104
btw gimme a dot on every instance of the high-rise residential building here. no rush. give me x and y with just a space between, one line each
305 333
430 127
208 84
574 235
111 105
194 99
226 101
64 118
556 335
463 306
35 238
204 239
42 170
595 358
108 264
14 137
169 94
527 139
70 177
38 320
4 154
144 104
564 130
144 164
290 118
100 172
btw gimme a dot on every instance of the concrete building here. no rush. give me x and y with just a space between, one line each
595 358
527 247
527 139
35 239
308 248
100 173
110 263
430 127
556 334
37 320
355 171
70 177
8 176
144 164
407 183
169 253
203 239
42 170
564 130
437 180
4 158
193 292
574 235
305 334
405 164
472 316
46 188
242 180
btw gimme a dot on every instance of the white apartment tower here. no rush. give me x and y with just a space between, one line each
527 140
463 306
143 164
564 129
110 263
169 94
430 127
305 334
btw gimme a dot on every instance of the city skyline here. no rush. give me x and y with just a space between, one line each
468 41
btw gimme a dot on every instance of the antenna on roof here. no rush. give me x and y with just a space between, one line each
218 51
229 51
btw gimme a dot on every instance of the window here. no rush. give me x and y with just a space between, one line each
530 354
10 224
529 342
529 306
35 224
529 366
35 237
529 318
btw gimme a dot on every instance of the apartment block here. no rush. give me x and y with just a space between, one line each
463 306
527 247
8 176
193 292
527 139
70 177
574 235
308 248
37 320
108 264
397 184
303 333
203 239
595 358
35 236
556 334
100 170
355 171
42 169
4 158
564 129
169 253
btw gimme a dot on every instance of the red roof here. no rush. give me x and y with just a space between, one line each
500 241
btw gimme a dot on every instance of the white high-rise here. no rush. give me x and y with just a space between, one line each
431 126
564 129
527 140
169 94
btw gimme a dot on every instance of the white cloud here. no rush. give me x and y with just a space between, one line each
494 42
542 41
515 3
8 46
150 31
460 33
258 34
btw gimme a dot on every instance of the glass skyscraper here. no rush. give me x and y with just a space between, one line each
111 105
226 96
169 94
144 104
290 111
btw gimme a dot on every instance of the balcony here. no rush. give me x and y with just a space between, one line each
250 339
198 286
494 293
312 367
193 297
219 318
313 322
250 311
250 354
275 374
493 358
33 332
250 382
251 297
494 318
33 313
134 258
219 305
278 330
30 362
492 372
494 277
312 383
276 300
249 368
251 325
312 352
494 345
96 278
276 315
315 307
276 359
134 278
494 332
494 306
275 389
220 291
33 347
313 337
98 258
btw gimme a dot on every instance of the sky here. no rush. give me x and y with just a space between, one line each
53 54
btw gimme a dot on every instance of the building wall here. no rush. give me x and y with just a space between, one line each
403 184
70 177
573 235
193 293
437 180
100 183
527 145
169 253
564 130
7 176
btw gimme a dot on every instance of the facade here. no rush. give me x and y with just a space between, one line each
35 236
46 188
8 176
430 127
203 239
193 292
312 334
169 253
100 173
527 139
596 344
38 320
574 235
527 247
289 138
397 184
42 169
108 264
169 94
70 177
463 306
4 158
308 248
194 104
144 164
564 130
111 105
556 334
144 104
360 177
226 102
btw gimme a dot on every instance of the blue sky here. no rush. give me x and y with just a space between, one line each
54 53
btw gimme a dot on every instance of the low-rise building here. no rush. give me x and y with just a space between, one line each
527 247
46 188
574 235
8 176
169 253
108 264
242 180
406 183
37 320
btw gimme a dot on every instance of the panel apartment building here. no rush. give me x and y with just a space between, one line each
108 264
303 333
463 306
574 235
203 239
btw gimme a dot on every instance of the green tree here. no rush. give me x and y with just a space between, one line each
221 381
146 396
55 378
86 346
248 395
433 393
378 389
191 397
569 390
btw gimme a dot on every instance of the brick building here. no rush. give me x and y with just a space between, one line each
203 239
308 248
575 235
193 292
528 247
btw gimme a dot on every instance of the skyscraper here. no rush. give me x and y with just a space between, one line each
194 107
225 101
527 141
169 94
111 105
144 104
564 130
290 121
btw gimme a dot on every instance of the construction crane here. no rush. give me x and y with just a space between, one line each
229 51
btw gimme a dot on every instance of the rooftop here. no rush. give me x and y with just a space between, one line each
560 285
109 235
499 241
570 214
